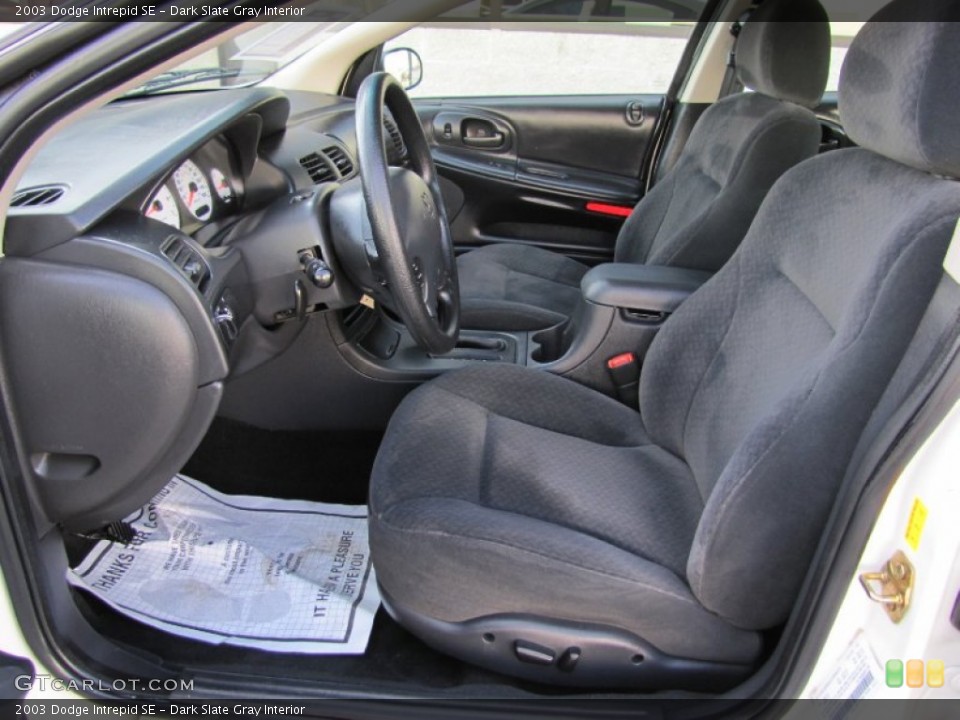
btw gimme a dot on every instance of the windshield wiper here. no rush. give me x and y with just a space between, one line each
176 78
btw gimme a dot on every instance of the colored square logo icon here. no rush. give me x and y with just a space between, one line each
914 673
894 673
935 673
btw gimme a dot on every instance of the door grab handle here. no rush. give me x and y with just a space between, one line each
492 141
544 172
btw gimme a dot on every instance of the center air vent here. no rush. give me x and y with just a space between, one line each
340 160
318 168
39 195
330 164
187 260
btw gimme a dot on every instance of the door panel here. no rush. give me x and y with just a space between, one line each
527 167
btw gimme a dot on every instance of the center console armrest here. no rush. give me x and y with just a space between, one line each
650 288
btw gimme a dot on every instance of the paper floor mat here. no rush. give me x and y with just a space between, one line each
277 575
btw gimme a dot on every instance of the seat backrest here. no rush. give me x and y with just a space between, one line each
698 214
763 381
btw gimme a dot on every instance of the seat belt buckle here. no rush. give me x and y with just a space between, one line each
624 370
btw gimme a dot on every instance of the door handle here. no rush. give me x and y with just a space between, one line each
481 133
488 141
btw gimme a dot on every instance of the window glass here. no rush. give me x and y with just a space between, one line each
843 34
548 58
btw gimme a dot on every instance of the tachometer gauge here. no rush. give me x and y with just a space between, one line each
221 186
194 190
163 207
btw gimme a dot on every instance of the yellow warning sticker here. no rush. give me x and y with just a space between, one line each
918 518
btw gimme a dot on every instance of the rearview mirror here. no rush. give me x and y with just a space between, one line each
405 65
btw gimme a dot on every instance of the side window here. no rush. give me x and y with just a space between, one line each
842 35
539 57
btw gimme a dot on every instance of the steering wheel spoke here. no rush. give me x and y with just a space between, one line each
407 219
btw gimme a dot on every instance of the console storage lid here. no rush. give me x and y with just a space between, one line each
652 288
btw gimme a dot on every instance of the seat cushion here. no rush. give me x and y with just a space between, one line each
517 287
518 484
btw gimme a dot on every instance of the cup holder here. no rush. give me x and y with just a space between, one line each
549 344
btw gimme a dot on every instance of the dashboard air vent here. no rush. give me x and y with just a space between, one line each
394 132
319 170
330 164
39 195
187 260
340 159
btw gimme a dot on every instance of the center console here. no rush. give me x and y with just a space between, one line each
622 308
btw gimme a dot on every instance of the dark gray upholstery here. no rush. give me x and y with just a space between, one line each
776 36
697 215
763 380
501 490
899 86
691 524
517 287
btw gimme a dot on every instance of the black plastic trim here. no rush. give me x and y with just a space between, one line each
561 652
654 288
122 148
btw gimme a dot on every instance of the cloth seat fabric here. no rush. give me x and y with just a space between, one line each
523 486
698 214
517 287
505 490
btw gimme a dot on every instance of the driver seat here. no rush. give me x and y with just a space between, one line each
528 524
698 214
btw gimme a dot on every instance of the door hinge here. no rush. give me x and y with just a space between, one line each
892 587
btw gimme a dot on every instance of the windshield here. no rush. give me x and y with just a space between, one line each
245 59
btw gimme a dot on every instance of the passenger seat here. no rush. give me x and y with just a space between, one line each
698 214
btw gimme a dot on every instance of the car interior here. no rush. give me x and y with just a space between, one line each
596 369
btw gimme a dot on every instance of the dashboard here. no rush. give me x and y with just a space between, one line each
193 162
168 239
204 188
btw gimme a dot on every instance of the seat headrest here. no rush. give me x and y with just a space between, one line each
784 51
900 85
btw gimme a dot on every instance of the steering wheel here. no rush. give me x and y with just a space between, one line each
414 259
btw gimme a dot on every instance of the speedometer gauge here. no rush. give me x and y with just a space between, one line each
163 207
194 190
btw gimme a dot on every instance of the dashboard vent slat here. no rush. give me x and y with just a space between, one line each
393 131
319 170
341 161
328 165
40 195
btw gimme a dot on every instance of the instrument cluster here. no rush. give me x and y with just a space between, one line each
202 189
